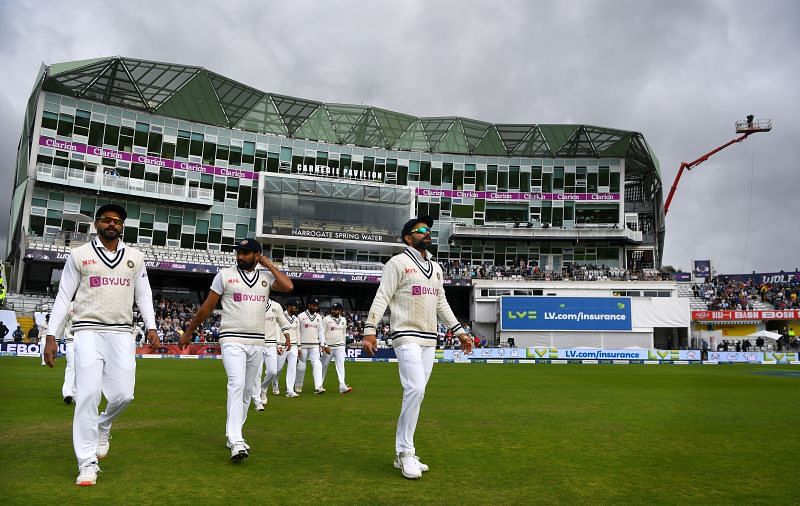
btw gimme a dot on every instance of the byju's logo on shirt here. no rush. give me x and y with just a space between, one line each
98 281
247 297
424 290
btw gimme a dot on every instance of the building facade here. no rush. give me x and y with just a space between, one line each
200 160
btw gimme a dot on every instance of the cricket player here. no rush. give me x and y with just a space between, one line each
273 321
102 278
288 356
334 326
43 337
311 340
413 290
244 291
64 332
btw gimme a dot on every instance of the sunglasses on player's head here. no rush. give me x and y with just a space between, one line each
110 219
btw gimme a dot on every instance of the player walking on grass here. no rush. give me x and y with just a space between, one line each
244 291
311 340
104 277
64 332
273 321
288 356
412 288
334 326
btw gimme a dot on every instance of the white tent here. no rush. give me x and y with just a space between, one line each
766 334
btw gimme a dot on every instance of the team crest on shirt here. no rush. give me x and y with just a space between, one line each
264 284
130 264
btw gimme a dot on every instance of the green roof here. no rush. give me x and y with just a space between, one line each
199 95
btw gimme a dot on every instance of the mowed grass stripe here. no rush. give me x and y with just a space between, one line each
491 434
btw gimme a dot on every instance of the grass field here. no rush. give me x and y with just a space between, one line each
490 433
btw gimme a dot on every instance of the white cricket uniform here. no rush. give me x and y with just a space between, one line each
104 285
412 288
244 296
335 330
291 326
311 338
273 321
65 332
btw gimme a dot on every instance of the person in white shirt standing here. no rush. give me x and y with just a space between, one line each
274 319
334 327
412 287
312 339
244 291
102 278
64 332
288 356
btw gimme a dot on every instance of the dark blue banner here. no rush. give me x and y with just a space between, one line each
565 313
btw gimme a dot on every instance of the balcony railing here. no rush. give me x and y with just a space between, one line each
121 184
522 232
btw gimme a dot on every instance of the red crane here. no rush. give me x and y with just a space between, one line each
746 128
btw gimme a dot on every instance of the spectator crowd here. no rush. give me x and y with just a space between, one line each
455 269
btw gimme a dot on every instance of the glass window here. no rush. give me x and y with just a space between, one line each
491 178
604 177
50 120
216 221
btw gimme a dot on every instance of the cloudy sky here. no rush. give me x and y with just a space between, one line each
680 72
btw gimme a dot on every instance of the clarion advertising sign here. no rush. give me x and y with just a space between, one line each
565 313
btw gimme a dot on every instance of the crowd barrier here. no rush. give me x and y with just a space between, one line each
539 355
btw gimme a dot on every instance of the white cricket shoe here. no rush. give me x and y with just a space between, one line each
409 466
102 444
87 476
298 390
239 451
291 394
263 397
276 391
229 445
422 467
259 405
345 389
320 390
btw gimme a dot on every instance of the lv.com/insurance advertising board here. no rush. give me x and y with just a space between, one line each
565 313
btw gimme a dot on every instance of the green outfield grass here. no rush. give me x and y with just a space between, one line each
490 433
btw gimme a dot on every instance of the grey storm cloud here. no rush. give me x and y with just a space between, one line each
680 72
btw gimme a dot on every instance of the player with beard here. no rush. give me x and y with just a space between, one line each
101 279
311 339
244 291
412 287
335 326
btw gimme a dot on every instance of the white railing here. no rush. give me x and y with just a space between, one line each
548 233
121 184
56 174
111 181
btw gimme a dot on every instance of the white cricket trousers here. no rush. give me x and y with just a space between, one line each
271 368
105 363
415 363
337 355
288 358
68 388
241 362
309 355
